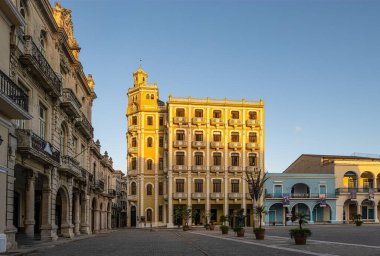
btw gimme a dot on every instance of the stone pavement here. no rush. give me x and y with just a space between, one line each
327 240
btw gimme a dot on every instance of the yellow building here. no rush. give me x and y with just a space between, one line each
192 152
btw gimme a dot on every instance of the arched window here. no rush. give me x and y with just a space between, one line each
149 215
198 158
180 158
133 188
147 96
252 159
180 112
149 142
134 142
149 190
252 137
150 120
149 164
152 96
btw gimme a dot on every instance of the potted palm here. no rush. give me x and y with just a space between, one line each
259 232
300 234
358 219
224 227
240 223
185 214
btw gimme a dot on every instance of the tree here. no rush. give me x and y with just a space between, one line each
259 211
185 214
256 184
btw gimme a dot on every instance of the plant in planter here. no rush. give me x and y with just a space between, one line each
240 223
185 214
224 227
358 219
300 234
212 227
259 232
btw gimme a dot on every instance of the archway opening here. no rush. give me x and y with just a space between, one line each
300 190
61 210
322 213
276 214
350 180
367 181
301 208
133 216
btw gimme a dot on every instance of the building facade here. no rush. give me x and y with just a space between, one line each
357 182
190 152
54 179
289 193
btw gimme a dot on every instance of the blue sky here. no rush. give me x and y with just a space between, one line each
316 64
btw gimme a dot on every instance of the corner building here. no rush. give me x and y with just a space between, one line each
190 151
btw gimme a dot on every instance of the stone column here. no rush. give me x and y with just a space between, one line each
77 214
109 215
375 212
85 212
170 200
29 211
47 230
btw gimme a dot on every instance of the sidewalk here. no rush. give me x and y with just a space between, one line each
24 248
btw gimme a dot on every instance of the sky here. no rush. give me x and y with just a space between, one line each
316 65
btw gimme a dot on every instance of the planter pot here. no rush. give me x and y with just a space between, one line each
212 227
185 228
300 239
207 226
224 231
240 233
358 223
260 235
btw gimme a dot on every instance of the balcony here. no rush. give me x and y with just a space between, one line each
198 144
83 173
85 127
234 145
90 177
179 168
198 120
300 195
251 168
198 195
180 144
235 196
198 168
132 150
132 198
70 166
132 172
99 185
248 196
132 128
356 190
32 145
216 121
40 68
251 145
70 104
234 122
179 195
235 169
180 120
252 123
13 100
275 195
216 144
111 192
216 195
216 168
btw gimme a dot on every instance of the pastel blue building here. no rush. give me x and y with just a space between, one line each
289 193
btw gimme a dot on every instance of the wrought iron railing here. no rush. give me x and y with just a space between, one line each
87 125
15 93
32 49
45 147
99 184
357 190
68 95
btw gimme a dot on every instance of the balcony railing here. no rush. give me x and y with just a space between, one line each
41 68
251 168
132 150
235 195
180 120
179 168
179 195
83 173
179 144
198 195
112 192
217 144
198 144
300 195
234 122
198 120
251 145
216 168
99 185
132 198
234 145
216 195
132 128
85 126
216 121
252 123
70 103
235 169
132 172
15 93
198 168
70 166
33 145
356 190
